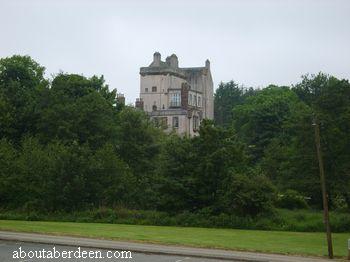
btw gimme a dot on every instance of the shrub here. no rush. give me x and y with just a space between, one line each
248 195
291 199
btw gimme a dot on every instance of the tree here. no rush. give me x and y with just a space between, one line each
176 174
211 172
21 81
251 194
329 99
218 153
110 179
138 145
78 109
263 117
9 185
227 96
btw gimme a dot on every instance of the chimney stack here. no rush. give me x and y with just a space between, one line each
172 61
207 63
121 98
156 59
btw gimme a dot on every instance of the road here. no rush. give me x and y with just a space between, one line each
7 249
11 241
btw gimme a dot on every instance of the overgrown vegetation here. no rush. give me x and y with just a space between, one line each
301 220
275 124
67 146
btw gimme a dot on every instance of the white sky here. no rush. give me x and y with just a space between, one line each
253 42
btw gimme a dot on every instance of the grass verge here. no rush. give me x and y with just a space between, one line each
279 220
301 243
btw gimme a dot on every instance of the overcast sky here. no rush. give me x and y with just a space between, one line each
254 43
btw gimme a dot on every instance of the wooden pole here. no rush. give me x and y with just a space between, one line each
323 186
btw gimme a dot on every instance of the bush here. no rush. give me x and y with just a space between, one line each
249 195
291 199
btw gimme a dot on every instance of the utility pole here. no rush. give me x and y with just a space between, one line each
323 186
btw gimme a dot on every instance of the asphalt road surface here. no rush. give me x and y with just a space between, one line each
7 249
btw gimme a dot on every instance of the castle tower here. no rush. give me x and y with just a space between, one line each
176 98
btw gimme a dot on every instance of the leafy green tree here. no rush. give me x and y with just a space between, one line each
226 97
68 145
53 176
21 81
264 116
23 70
56 177
10 186
7 118
138 145
199 174
251 194
110 179
329 100
78 109
176 174
218 151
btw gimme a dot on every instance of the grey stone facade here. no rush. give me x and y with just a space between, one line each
176 98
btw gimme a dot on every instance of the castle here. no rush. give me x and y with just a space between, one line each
176 98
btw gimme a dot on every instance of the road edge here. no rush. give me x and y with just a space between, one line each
146 248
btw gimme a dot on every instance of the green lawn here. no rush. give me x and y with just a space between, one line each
253 240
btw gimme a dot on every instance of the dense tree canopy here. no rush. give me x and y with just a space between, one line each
66 144
227 96
276 125
329 101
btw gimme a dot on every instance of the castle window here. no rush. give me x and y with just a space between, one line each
190 99
194 100
199 101
146 89
176 122
163 122
195 123
154 108
154 89
175 100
